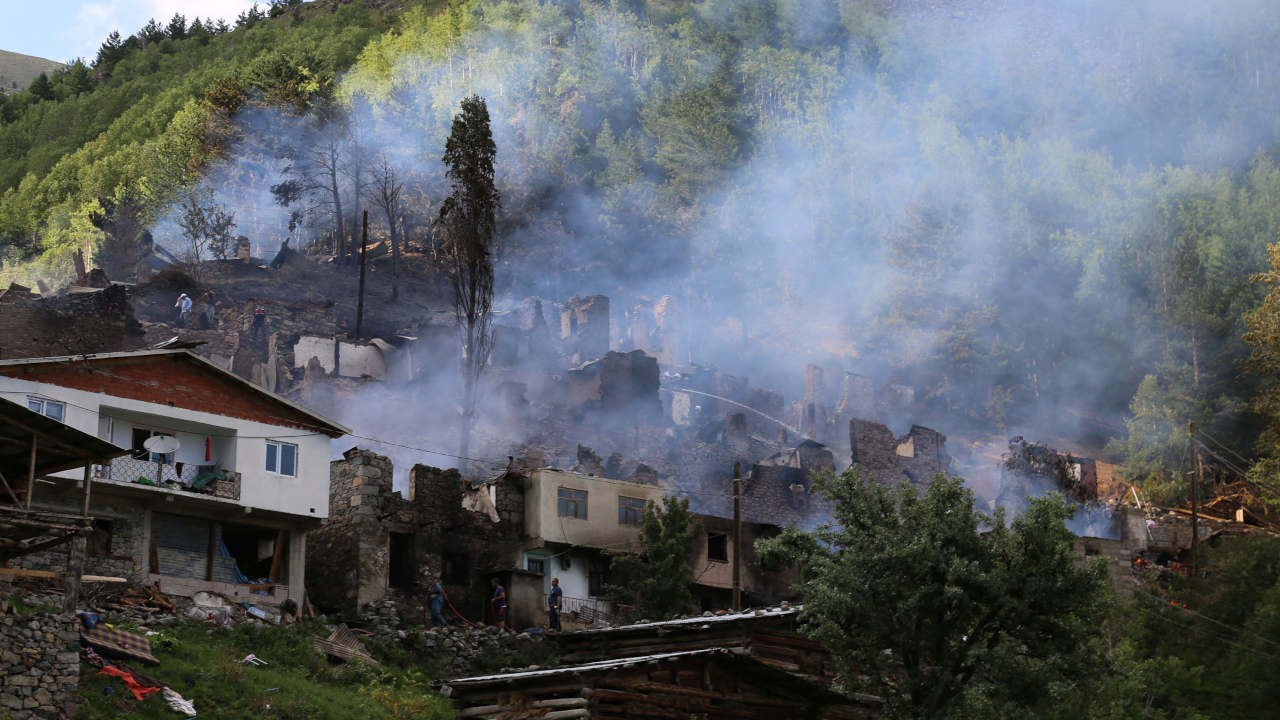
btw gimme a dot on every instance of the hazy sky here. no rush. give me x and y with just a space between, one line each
63 30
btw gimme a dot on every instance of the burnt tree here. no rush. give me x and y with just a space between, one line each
386 192
468 229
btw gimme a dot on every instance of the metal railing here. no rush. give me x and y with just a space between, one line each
202 479
588 611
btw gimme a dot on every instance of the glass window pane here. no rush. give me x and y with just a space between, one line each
54 410
288 459
35 405
271 456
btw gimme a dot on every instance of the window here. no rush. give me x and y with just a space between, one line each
49 408
597 576
572 503
536 565
282 458
630 510
718 547
140 452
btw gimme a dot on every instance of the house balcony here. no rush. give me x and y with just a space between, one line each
186 477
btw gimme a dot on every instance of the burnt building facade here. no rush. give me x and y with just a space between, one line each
377 541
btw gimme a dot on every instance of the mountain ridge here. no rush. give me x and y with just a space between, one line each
18 70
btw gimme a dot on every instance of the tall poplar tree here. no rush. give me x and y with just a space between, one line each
468 229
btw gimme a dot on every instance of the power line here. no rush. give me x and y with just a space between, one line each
1215 621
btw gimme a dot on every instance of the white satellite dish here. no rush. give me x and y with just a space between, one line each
161 444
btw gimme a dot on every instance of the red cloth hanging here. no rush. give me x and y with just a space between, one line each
208 449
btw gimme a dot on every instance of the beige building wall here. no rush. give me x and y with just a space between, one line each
600 529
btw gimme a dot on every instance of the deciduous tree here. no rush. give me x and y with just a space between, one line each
936 607
658 578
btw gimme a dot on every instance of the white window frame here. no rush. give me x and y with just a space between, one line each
44 404
273 452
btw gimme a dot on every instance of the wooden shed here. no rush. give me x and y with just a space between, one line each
767 634
710 684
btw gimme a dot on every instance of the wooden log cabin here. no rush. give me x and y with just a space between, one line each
707 684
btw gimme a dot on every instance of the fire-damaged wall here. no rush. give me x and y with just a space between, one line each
915 457
82 321
377 540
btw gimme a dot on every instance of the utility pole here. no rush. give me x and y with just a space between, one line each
1196 478
364 250
737 536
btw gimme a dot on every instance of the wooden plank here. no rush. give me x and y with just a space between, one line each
211 551
53 574
281 537
88 482
31 471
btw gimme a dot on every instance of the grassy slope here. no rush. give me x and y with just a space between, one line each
203 665
18 70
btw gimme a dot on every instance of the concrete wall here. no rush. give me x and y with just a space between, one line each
756 581
600 529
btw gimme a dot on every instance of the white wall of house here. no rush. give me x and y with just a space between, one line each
239 445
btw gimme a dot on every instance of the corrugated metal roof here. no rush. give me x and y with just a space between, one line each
597 666
697 620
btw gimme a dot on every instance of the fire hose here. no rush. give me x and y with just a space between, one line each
460 615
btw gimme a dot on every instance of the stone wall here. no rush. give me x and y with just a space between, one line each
915 457
584 328
351 561
39 666
116 547
78 322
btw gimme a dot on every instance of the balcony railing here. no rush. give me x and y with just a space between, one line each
588 611
201 479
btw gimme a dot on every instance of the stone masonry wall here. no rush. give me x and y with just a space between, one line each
116 548
916 457
39 666
349 559
35 326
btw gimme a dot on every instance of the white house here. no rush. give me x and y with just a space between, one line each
225 480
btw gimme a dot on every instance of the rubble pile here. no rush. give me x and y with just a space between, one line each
458 647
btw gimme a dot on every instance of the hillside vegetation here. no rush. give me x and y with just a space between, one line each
17 71
1022 230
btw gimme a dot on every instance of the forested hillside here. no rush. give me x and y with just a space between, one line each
1028 212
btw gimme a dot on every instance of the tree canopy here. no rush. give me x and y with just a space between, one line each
657 580
926 602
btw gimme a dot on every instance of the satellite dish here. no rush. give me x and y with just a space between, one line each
161 444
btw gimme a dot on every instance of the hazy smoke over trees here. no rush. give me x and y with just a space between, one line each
984 200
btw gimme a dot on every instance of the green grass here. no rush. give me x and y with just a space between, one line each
297 683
